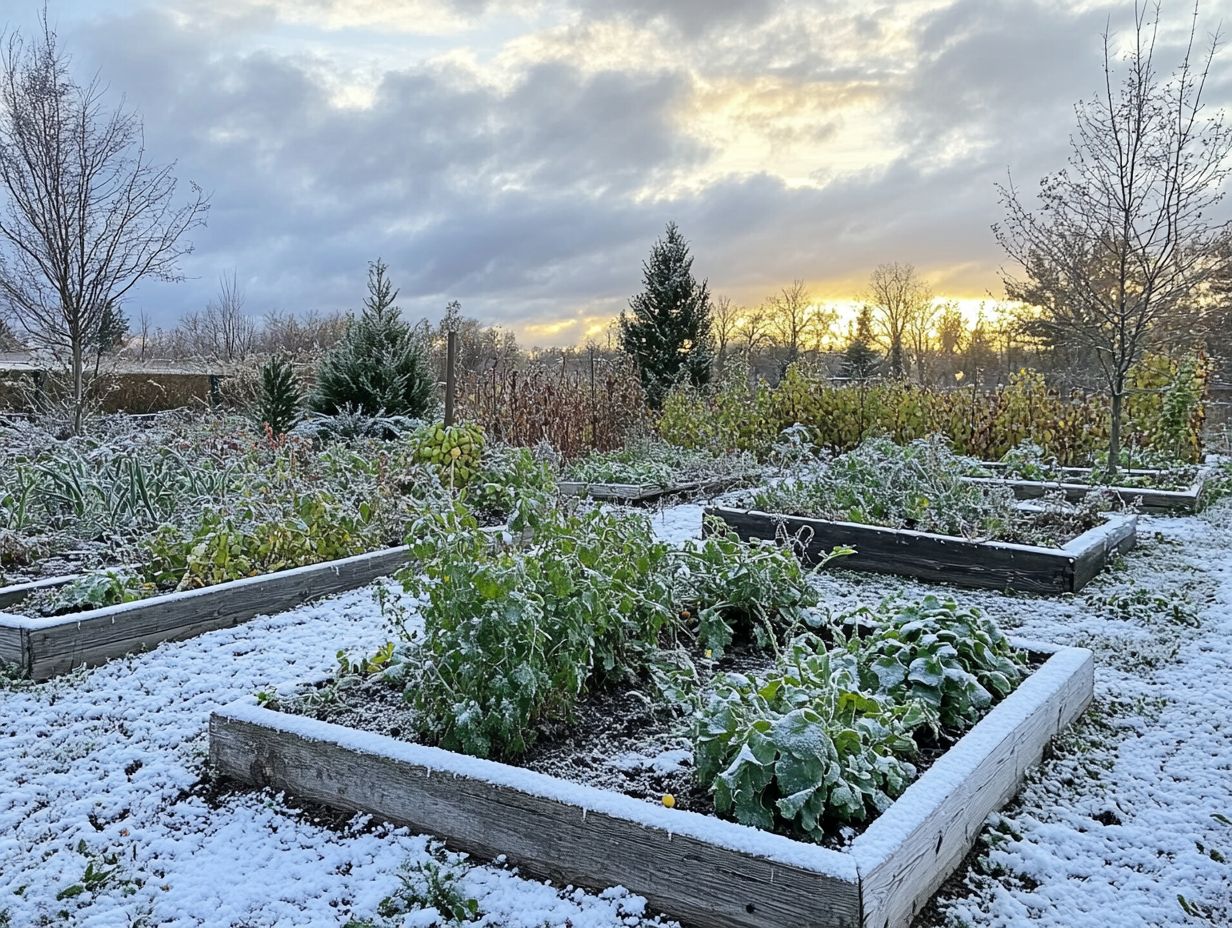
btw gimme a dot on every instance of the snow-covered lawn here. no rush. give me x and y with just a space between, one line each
98 769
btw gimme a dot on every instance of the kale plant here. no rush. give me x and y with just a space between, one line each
954 659
804 747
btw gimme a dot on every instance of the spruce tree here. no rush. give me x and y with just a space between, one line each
668 334
860 359
279 396
380 367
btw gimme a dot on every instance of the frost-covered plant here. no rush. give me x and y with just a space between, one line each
952 658
1028 461
919 486
92 590
429 889
659 463
733 590
512 484
1137 603
804 747
350 422
516 632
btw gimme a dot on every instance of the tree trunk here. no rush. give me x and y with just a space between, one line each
1114 434
78 386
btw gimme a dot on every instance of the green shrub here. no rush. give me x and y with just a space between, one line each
278 397
1164 413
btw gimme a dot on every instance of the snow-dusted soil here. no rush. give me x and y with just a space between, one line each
102 768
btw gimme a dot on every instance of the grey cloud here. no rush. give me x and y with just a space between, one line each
523 200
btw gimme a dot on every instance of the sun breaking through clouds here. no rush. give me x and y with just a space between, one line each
522 156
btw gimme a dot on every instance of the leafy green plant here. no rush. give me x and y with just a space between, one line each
1028 461
1136 603
255 538
803 747
511 484
92 590
515 633
953 659
741 591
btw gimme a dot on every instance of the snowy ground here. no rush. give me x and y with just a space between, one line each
98 770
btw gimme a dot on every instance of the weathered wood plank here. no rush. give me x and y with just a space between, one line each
12 640
58 644
709 873
561 839
911 553
1147 500
981 564
13 594
908 852
1095 548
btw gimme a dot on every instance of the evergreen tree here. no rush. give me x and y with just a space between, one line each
668 335
860 359
279 396
112 329
380 367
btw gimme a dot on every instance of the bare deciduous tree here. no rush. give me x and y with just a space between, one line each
1127 231
898 297
921 332
88 215
796 323
724 317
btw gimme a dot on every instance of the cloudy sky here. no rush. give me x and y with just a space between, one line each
521 156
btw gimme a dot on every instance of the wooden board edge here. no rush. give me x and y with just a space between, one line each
651 851
14 648
908 853
17 592
61 643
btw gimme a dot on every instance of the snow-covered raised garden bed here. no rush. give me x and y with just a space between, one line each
704 870
43 647
1075 484
996 565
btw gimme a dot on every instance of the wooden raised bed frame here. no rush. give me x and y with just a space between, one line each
1188 500
708 872
996 565
44 647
